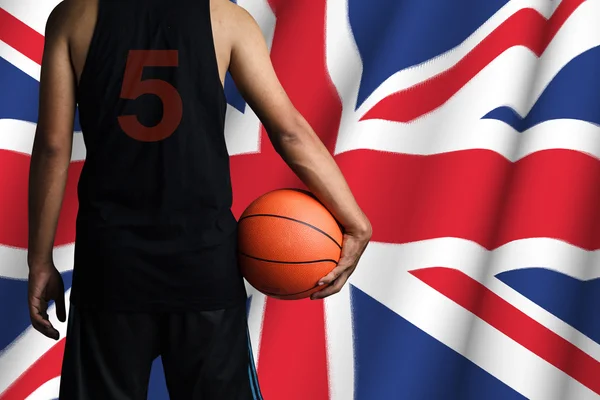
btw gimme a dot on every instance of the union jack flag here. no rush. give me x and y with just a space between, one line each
469 132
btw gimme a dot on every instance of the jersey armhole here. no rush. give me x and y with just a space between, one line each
91 49
215 59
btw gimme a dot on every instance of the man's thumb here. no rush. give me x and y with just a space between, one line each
61 312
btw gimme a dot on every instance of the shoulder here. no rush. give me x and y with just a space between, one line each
57 20
234 18
226 8
65 16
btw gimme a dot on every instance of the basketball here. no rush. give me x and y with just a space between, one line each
287 241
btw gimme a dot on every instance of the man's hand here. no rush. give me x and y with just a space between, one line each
46 284
353 246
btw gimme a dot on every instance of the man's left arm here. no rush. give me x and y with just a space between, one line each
298 145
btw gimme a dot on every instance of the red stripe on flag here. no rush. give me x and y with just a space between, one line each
293 363
477 195
524 28
476 298
21 37
47 367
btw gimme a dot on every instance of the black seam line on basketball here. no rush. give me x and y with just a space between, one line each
295 220
287 262
288 294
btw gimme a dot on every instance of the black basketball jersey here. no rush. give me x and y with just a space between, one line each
154 228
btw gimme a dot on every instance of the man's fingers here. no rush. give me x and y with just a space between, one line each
337 285
344 264
46 330
39 320
352 249
61 312
39 317
59 300
332 276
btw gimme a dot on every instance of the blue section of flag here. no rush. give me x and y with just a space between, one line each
394 34
14 310
233 96
574 301
396 360
157 389
19 95
574 94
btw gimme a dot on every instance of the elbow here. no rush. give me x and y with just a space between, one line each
58 152
296 132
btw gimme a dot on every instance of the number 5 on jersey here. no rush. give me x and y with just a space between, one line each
133 87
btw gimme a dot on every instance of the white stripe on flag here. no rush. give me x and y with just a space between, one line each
340 345
32 12
14 261
20 61
255 319
17 136
47 391
447 134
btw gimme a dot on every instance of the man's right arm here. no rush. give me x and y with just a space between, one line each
50 159
297 143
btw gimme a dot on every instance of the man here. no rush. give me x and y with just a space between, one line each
155 269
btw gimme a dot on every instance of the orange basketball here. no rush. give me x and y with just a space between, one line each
287 241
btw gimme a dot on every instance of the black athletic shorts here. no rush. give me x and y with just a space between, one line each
205 354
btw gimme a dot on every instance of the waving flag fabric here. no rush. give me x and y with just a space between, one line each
469 132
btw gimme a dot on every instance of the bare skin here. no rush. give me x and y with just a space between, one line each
241 49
